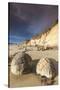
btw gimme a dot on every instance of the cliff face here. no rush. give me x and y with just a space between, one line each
52 37
48 38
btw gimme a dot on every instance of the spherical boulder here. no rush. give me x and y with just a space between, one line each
45 68
20 63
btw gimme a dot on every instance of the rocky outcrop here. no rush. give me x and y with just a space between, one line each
45 68
20 63
46 39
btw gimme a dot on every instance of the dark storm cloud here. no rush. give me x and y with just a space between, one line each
29 19
31 12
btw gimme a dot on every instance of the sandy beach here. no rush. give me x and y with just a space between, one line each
32 79
32 45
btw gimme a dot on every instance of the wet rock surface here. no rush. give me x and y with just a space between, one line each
20 63
45 68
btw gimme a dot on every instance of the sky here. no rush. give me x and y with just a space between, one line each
26 20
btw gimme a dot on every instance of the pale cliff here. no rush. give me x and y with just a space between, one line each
48 38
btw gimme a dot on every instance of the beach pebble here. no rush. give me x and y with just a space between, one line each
45 68
20 63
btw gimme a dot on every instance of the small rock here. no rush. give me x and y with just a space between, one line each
45 68
46 81
20 63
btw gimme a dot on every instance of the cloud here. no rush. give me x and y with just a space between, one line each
25 20
15 39
31 12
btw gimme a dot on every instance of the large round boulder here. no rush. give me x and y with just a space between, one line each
45 68
20 63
